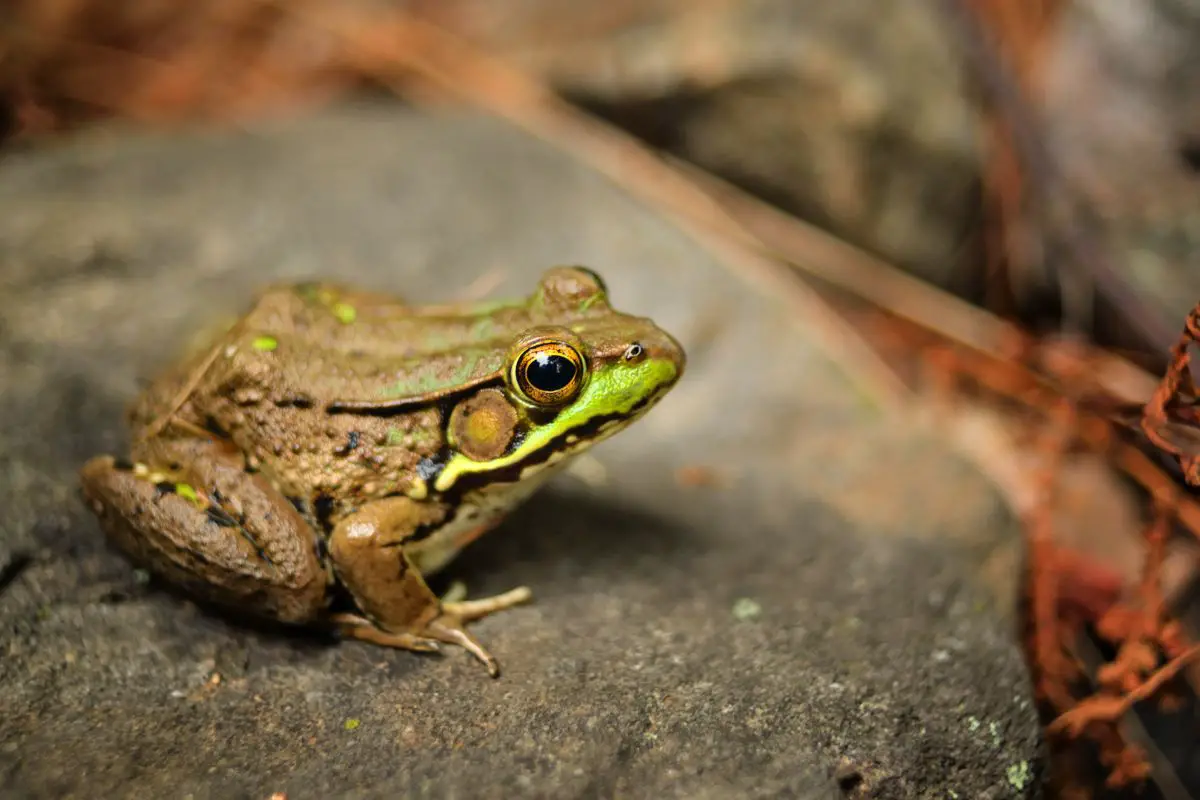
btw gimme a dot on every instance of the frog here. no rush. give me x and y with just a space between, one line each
337 443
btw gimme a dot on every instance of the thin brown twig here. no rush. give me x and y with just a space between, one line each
1056 669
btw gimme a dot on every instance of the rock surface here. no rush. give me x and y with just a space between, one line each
811 622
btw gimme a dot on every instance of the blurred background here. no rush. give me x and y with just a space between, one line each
990 202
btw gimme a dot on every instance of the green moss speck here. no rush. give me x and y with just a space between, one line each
350 724
265 344
1020 775
746 609
345 313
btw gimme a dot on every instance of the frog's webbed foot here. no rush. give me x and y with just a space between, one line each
449 627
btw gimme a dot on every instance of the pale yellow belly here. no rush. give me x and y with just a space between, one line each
478 512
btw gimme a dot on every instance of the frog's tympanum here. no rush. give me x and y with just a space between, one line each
334 437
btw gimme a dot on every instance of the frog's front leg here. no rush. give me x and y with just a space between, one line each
188 510
368 550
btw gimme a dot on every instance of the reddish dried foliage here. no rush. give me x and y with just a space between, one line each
1151 647
1170 419
64 63
1047 384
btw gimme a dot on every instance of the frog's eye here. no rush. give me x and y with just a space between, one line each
548 373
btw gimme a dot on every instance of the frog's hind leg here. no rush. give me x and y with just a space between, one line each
189 511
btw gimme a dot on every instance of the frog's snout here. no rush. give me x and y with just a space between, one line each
662 346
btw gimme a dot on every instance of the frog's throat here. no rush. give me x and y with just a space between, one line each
612 398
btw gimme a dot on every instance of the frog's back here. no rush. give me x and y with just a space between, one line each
321 383
335 344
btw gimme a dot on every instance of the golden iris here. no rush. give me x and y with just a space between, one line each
549 373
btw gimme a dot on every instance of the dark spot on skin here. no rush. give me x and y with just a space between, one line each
123 464
517 440
219 516
258 550
323 508
213 427
350 446
174 466
164 487
421 533
541 416
295 401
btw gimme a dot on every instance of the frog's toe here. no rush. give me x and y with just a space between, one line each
468 610
446 629
449 629
361 628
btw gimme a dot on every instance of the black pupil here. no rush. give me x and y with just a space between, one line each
550 373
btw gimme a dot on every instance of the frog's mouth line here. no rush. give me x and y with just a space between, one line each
565 444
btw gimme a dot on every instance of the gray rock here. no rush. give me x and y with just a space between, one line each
812 625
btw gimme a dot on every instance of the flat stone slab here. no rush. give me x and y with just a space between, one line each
808 621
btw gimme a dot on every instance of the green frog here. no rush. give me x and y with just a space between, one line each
335 441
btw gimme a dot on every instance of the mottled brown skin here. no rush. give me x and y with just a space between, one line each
293 453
